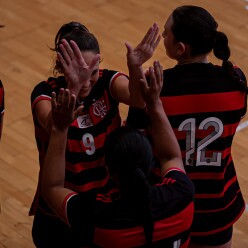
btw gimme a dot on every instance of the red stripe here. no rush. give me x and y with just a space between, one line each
206 175
132 237
186 243
219 195
107 197
118 74
64 207
220 209
52 83
209 175
215 102
39 98
103 198
173 169
87 186
76 168
225 153
218 229
1 95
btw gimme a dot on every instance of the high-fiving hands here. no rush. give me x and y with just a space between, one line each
76 71
151 92
63 113
145 49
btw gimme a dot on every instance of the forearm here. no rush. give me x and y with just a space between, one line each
53 172
165 142
135 74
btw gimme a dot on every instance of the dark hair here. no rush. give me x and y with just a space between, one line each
77 32
128 154
196 27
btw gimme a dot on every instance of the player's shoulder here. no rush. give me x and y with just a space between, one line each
177 175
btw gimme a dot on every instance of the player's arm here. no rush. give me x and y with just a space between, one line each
165 142
128 91
53 174
42 111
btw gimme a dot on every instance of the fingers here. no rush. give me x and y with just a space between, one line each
70 52
61 59
66 51
156 78
156 42
94 61
79 111
60 97
152 78
65 100
129 48
72 102
147 36
76 50
54 102
152 36
144 89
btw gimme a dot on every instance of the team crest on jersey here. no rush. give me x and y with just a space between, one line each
84 121
99 108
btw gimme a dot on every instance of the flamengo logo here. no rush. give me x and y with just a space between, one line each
99 108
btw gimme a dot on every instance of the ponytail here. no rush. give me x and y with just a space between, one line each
222 51
140 196
128 155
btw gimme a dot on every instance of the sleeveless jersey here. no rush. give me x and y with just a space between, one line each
204 106
114 223
85 168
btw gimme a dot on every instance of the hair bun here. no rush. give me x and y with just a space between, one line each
78 26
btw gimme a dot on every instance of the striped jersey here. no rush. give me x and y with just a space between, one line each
204 106
113 223
85 168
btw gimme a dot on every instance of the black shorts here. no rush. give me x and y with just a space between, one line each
219 238
51 232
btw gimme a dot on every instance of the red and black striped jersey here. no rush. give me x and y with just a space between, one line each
115 223
85 168
204 106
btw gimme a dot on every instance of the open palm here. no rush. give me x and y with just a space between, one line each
76 71
145 48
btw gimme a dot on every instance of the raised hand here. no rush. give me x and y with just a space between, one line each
145 49
151 93
63 113
76 71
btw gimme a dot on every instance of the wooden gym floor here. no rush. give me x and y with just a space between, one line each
25 60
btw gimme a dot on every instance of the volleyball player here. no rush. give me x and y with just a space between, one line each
204 104
141 215
100 91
